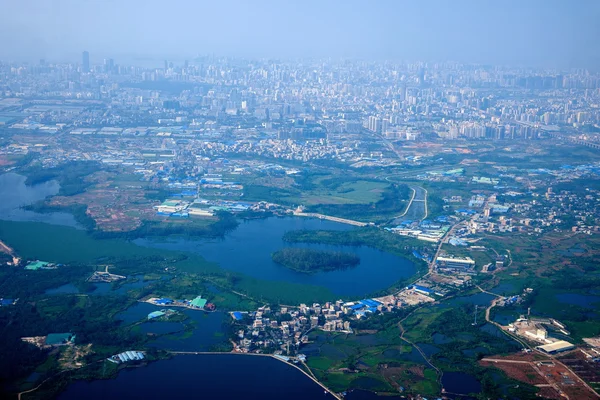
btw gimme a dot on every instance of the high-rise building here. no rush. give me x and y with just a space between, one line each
85 62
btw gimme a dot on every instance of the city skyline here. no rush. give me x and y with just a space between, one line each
549 34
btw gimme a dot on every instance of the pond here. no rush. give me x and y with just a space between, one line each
460 383
249 247
479 299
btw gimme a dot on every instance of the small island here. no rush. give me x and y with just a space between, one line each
310 261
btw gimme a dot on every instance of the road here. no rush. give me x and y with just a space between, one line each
330 218
439 248
5 249
403 331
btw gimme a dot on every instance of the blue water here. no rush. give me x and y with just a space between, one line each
209 328
413 356
460 383
480 299
223 376
69 288
474 351
102 288
15 194
504 318
581 300
439 338
161 327
428 349
505 289
208 331
137 312
248 250
105 288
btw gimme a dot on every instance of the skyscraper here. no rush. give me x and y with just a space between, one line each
85 62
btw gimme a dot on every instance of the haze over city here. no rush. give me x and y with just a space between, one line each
553 33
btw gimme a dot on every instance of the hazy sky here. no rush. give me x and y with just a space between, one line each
525 32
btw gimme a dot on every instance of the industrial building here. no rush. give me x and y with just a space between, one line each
169 207
127 356
421 289
556 347
155 314
198 302
455 263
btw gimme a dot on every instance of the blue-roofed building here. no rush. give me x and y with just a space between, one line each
163 301
237 315
6 302
421 289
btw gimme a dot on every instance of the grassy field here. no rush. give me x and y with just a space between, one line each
357 192
376 362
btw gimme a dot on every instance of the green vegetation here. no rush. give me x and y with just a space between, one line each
70 176
226 222
392 200
310 261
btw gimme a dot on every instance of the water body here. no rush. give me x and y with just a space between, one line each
479 299
248 250
161 327
106 288
474 351
209 329
428 349
440 338
136 312
581 300
505 289
69 288
203 376
102 288
15 194
460 383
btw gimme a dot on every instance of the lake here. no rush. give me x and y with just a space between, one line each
15 194
223 376
248 250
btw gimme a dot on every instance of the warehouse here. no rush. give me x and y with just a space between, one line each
198 302
155 314
556 347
